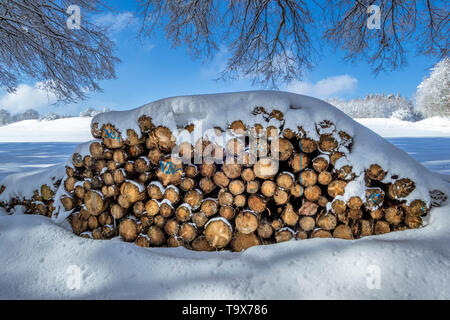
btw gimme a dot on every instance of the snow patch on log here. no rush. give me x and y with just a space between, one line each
222 219
140 186
171 186
159 185
166 201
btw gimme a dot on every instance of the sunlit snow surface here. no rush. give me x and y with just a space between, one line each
432 153
23 157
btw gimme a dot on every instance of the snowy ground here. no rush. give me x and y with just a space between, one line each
431 127
41 259
26 156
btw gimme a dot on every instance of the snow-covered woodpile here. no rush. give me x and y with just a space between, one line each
138 189
243 184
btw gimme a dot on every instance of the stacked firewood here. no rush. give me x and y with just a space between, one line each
136 188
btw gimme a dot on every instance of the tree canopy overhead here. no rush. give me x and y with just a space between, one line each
36 42
268 41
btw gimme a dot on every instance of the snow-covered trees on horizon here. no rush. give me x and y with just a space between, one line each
431 99
91 112
378 106
6 117
433 94
31 114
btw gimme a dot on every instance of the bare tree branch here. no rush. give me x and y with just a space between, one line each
402 22
269 42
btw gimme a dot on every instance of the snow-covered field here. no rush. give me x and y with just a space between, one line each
389 127
78 129
41 259
27 156
75 129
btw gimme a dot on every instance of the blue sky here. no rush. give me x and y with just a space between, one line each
152 70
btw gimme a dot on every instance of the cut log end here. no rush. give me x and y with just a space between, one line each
218 233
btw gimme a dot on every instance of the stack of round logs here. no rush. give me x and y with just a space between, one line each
42 201
121 189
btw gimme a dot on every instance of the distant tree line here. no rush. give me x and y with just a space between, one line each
6 117
432 99
31 114
378 106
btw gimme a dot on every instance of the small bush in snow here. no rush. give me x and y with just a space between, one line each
433 94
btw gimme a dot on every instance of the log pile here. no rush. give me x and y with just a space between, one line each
138 189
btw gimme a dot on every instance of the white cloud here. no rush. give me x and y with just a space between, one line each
115 22
324 88
27 97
